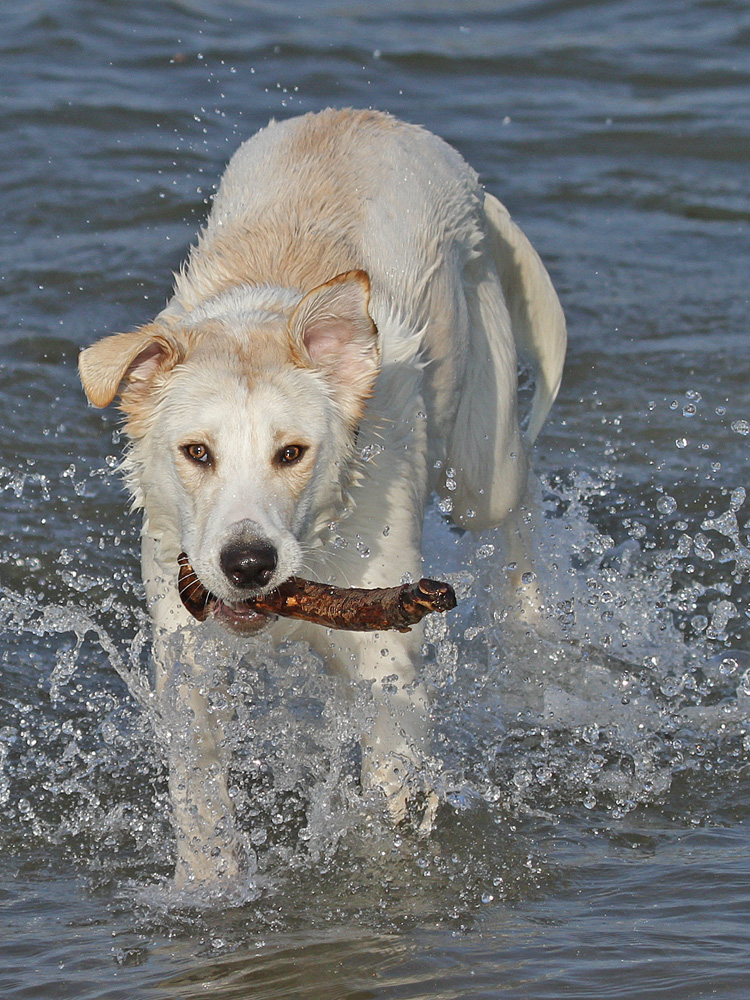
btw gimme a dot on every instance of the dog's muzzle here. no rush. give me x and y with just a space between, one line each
201 604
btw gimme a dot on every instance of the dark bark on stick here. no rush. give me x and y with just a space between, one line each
354 609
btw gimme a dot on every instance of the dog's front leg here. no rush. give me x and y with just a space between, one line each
193 718
209 846
395 746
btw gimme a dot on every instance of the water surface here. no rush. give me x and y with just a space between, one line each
595 836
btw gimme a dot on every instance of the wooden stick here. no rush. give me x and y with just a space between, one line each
355 609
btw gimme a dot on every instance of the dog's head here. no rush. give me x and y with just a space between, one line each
242 421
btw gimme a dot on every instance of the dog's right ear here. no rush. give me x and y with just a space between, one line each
334 329
134 357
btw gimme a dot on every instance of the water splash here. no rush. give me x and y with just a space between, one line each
630 681
25 615
615 691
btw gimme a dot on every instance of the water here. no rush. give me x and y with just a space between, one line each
595 832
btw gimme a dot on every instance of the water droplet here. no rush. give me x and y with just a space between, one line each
370 451
741 427
666 505
522 778
728 665
681 442
591 734
671 686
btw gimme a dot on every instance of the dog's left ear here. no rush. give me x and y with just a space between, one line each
335 329
132 357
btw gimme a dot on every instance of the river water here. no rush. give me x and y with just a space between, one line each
594 839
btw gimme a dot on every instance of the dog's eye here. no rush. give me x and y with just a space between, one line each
290 454
197 453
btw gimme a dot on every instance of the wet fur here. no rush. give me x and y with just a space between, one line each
354 290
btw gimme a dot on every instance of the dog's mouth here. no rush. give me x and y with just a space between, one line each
202 604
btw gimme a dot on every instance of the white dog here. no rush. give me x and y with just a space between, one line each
341 342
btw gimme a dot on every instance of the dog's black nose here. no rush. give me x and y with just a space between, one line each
249 565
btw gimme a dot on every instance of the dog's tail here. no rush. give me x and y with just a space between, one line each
536 315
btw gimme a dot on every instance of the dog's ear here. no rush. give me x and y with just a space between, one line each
335 329
134 356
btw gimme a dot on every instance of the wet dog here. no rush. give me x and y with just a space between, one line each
341 342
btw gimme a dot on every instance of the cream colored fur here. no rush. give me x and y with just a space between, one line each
354 291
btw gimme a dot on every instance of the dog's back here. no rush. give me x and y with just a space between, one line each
318 195
315 196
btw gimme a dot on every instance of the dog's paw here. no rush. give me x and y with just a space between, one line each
411 801
415 810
